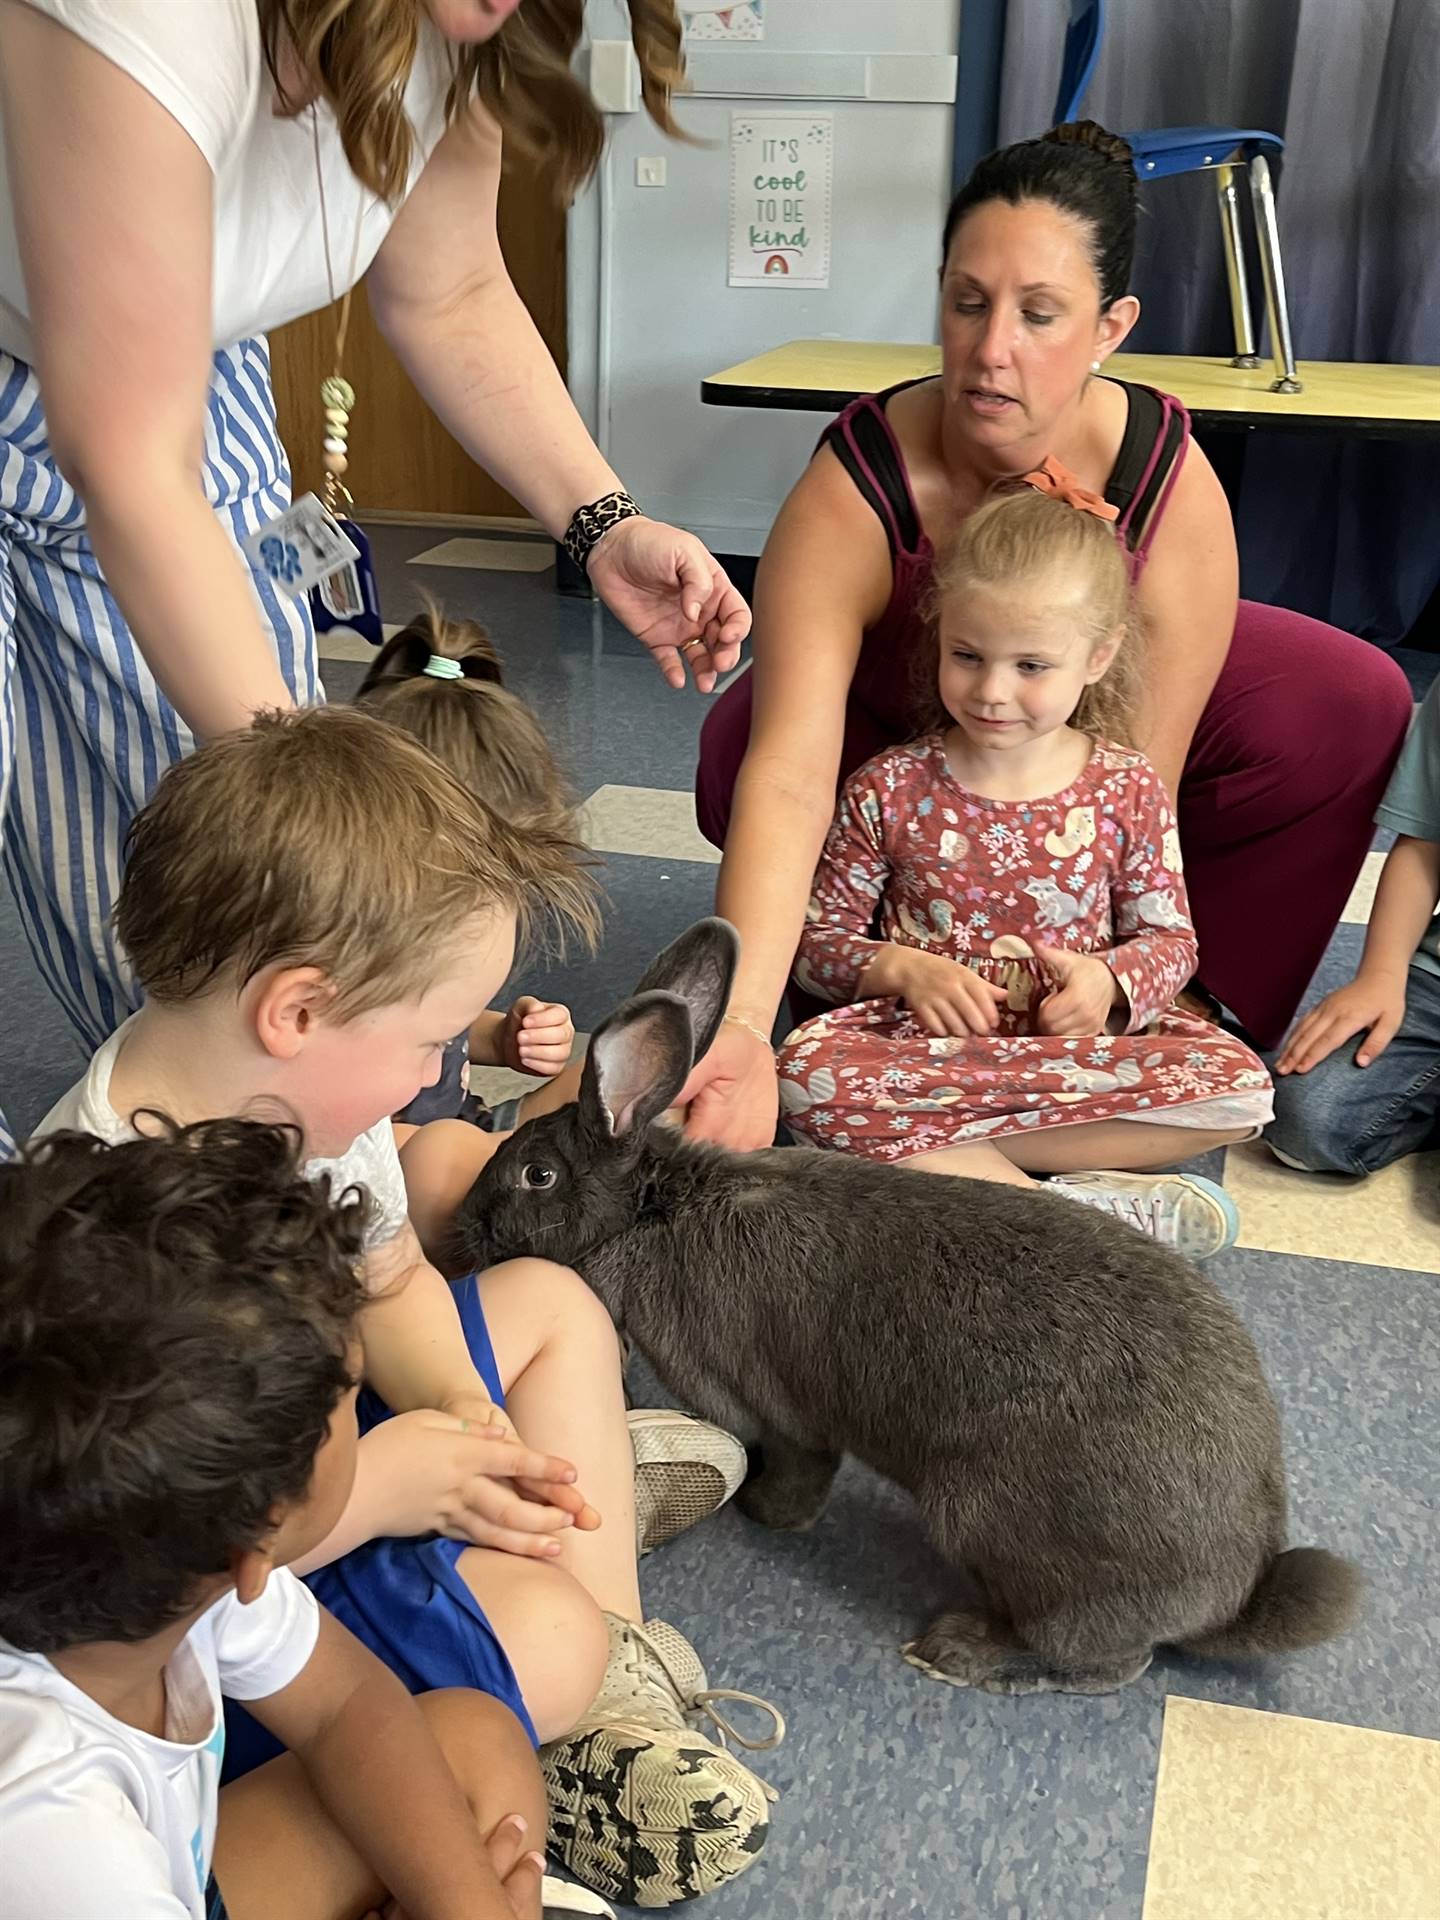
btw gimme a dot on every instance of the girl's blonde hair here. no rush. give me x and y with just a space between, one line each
485 735
1021 535
357 56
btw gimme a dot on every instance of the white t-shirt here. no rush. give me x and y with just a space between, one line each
202 60
99 1821
372 1162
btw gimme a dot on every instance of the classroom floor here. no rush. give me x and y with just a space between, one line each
1307 1789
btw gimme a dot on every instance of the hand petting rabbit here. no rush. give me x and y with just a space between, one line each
1081 1417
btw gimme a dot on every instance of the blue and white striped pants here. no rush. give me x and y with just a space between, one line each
85 733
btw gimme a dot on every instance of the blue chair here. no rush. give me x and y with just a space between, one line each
1220 150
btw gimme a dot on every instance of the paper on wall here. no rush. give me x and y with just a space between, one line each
780 187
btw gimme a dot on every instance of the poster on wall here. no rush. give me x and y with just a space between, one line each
725 23
780 172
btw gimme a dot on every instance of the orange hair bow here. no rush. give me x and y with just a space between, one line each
1050 477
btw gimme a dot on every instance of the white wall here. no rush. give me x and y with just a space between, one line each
650 313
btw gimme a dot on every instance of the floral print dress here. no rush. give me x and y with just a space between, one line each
915 858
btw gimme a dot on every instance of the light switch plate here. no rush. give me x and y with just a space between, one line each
650 170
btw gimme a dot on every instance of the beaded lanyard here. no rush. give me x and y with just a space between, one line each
337 396
348 598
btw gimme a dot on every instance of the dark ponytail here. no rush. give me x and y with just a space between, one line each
1079 168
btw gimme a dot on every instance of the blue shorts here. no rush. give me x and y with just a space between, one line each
404 1598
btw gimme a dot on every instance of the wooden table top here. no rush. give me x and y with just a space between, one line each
1339 396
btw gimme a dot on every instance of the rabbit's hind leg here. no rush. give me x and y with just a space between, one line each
788 1484
966 1650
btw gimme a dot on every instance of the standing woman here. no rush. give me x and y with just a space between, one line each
178 179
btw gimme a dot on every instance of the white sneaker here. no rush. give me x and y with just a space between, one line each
563 1896
643 1808
1195 1216
685 1470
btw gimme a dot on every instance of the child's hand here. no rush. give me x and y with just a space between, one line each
477 1484
518 1868
476 1410
1370 1005
944 996
1084 995
538 1037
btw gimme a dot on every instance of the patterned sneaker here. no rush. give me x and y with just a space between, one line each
642 1808
562 1896
1194 1216
685 1470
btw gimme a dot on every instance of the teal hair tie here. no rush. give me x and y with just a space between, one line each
439 668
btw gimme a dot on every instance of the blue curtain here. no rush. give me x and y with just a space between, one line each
1343 529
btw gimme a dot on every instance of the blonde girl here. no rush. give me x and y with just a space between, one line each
1000 913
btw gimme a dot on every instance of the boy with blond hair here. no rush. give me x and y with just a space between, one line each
314 908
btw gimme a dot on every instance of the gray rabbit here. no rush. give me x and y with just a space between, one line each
1081 1417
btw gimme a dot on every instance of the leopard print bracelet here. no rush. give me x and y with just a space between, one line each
590 524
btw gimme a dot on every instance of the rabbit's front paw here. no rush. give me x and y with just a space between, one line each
787 1488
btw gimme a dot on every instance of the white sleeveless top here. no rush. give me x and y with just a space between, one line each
202 61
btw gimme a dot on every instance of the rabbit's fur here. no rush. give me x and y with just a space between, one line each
1081 1417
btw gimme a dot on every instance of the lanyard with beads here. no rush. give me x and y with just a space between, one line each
349 597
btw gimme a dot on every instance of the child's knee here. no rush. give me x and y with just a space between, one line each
554 1294
579 1626
1313 1131
554 1636
490 1755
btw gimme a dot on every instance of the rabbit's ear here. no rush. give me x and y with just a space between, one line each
638 1061
699 967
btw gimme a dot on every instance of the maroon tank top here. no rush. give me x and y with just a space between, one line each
1157 432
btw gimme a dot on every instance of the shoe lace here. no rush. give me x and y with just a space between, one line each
1136 1211
639 1643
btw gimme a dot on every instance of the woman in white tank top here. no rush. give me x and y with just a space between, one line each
172 170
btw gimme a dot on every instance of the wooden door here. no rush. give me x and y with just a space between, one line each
402 461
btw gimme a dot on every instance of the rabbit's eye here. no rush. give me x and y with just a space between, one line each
537 1177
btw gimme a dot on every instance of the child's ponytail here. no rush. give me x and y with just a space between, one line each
441 681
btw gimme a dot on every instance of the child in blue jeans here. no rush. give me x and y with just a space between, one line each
1358 1083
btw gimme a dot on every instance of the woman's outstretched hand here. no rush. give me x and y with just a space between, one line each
733 1095
670 592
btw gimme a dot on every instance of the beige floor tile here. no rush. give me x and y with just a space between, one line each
495 556
658 821
338 645
1390 1220
1362 894
1259 1816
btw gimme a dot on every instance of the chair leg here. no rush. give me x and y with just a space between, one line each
1262 193
1229 199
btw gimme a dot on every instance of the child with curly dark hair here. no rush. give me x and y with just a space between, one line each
178 1362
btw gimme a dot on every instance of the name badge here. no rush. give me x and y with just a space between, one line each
300 547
